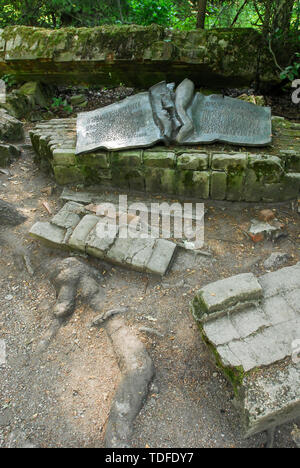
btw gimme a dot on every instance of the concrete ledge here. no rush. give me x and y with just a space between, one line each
138 56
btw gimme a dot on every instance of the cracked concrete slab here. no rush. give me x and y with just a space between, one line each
253 343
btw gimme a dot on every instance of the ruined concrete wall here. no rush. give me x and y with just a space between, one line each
137 56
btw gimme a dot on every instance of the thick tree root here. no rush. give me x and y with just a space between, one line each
137 369
9 216
72 279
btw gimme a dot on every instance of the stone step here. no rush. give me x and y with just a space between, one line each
256 344
72 228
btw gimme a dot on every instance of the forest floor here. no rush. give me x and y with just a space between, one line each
62 397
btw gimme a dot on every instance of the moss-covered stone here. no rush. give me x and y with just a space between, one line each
126 158
98 159
193 161
229 162
218 185
64 157
163 159
193 184
268 169
138 56
235 182
65 175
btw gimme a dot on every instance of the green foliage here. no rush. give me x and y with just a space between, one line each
181 14
292 71
9 80
153 11
60 104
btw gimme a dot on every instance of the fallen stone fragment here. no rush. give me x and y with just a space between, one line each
252 326
277 259
11 129
138 371
72 279
261 230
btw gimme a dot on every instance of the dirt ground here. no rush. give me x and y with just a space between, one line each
62 397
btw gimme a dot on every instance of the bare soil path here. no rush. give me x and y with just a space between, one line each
61 398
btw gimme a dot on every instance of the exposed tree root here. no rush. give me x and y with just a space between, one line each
72 278
138 371
9 216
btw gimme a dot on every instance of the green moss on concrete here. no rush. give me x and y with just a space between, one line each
235 375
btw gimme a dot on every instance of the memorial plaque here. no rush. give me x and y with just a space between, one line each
218 118
181 117
126 124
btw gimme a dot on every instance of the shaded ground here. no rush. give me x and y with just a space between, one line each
62 397
280 102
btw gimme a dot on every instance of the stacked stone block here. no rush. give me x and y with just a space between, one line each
252 326
74 228
267 174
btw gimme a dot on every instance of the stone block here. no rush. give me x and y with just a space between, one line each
193 161
48 233
102 238
229 162
80 234
65 175
218 185
130 158
161 257
227 295
69 216
161 159
64 157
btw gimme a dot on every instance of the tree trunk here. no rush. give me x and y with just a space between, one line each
283 15
201 14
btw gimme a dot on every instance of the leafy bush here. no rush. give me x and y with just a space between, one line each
291 72
153 11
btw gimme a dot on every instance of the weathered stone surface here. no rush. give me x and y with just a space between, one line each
159 159
102 237
253 342
37 92
239 177
7 154
80 234
11 129
161 257
193 161
138 56
48 232
25 101
233 162
68 217
227 295
64 157
277 259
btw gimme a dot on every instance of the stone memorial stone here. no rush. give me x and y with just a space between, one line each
174 117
